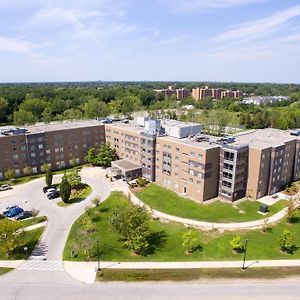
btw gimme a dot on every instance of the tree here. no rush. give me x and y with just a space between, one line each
45 168
65 189
96 201
35 106
95 109
48 177
191 241
105 156
9 174
27 171
3 107
236 244
291 212
24 117
131 224
287 241
130 104
74 178
9 238
91 156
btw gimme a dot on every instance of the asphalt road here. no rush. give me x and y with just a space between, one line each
60 219
33 285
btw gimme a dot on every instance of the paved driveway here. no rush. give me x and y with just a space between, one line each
60 219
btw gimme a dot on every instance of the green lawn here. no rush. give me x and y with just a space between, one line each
25 179
194 274
169 202
4 270
31 238
78 196
29 222
168 246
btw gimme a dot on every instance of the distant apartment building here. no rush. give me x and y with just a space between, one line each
180 94
173 154
59 145
202 93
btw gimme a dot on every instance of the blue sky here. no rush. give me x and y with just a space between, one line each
185 40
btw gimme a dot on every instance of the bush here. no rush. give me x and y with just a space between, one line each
142 182
236 244
191 241
287 241
96 201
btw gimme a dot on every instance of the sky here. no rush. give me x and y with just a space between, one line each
151 40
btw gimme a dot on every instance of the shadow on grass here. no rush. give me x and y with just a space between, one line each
104 209
294 220
20 253
156 240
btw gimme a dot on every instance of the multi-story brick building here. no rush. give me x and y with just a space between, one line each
59 145
202 93
174 154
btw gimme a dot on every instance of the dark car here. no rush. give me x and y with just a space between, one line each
53 195
46 188
14 212
24 215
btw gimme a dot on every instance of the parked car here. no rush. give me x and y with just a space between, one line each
50 191
5 187
23 215
8 208
14 212
46 188
53 195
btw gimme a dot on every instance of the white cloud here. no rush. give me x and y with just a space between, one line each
196 5
259 28
177 39
16 45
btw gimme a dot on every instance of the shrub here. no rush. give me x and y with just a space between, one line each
287 241
142 182
236 244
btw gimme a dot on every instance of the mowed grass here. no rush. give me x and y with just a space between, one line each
31 238
169 202
4 270
194 274
215 244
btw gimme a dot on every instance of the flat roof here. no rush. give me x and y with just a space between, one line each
55 126
190 142
179 124
131 126
264 138
125 165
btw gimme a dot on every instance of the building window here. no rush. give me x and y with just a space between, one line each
15 156
200 156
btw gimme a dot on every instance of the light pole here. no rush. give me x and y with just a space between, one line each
245 252
25 249
98 257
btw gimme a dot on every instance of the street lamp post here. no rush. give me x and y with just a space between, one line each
25 249
98 257
245 253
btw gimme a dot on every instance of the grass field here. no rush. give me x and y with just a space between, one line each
194 274
4 270
169 202
168 245
78 196
31 238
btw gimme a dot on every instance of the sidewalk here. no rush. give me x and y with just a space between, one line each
207 225
35 226
86 271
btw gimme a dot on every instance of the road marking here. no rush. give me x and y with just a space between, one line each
42 265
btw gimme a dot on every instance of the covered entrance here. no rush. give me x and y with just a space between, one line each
125 169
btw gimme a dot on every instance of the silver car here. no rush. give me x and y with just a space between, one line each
5 187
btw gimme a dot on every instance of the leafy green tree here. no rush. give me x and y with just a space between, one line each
9 174
24 117
27 171
65 189
131 224
3 107
48 177
287 241
9 238
95 109
91 156
35 106
291 212
191 241
105 156
130 104
74 178
236 244
45 168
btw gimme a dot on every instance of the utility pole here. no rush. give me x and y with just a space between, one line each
245 252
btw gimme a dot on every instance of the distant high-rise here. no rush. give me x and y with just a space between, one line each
200 93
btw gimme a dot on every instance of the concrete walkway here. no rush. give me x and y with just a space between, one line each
207 225
86 271
35 226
